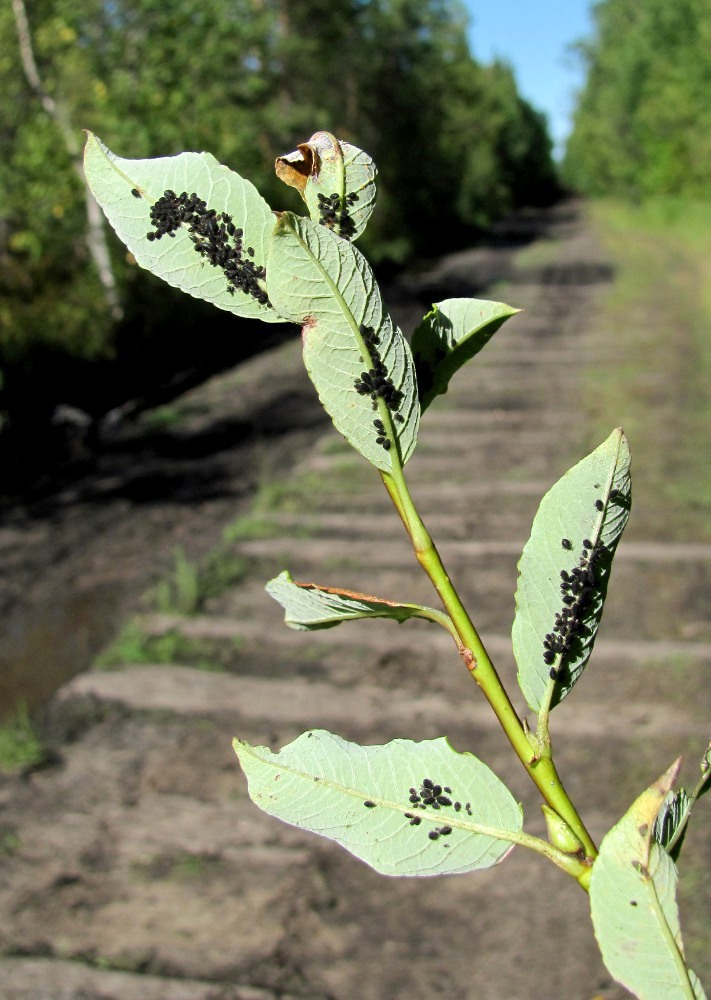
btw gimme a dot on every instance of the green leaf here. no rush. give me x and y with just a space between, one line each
633 905
672 815
360 797
326 285
309 607
325 166
449 336
112 180
567 518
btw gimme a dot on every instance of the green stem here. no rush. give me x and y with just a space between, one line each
540 768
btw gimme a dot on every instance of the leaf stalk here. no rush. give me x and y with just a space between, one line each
541 769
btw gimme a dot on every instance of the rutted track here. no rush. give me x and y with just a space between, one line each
138 850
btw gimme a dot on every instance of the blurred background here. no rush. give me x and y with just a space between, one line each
456 144
159 460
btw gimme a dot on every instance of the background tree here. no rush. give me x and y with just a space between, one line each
245 79
643 122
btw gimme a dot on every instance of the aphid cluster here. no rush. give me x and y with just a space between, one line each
215 237
334 212
433 796
430 795
578 588
377 384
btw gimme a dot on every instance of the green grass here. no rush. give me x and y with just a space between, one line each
20 747
133 645
655 379
192 584
298 494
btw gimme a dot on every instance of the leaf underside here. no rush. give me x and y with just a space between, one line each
112 180
450 335
309 607
567 518
633 905
325 284
335 179
359 797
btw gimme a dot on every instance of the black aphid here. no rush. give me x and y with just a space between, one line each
566 543
368 804
214 237
135 192
457 806
415 821
428 783
443 800
433 835
445 830
587 543
553 674
599 504
614 494
448 790
334 213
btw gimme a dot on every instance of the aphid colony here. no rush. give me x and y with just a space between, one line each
335 215
377 384
430 796
215 237
578 588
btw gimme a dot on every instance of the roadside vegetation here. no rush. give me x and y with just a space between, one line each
642 126
80 324
655 357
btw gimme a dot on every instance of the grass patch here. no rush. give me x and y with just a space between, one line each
191 584
134 645
655 376
20 747
301 493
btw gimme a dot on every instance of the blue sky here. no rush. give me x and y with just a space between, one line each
532 35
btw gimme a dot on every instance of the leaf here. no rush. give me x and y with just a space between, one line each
672 815
326 285
591 503
360 797
633 905
309 607
449 336
324 167
112 181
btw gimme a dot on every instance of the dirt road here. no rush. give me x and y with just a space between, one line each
135 867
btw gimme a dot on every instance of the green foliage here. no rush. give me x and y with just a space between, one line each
662 258
633 905
323 283
422 809
20 747
113 182
643 121
361 797
565 569
134 645
449 336
308 607
243 79
192 584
